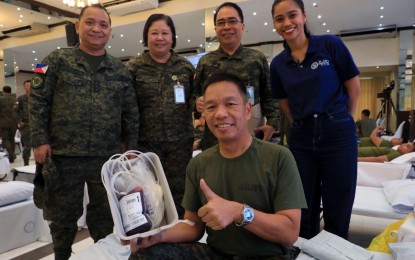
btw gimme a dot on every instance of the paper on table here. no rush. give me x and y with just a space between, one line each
327 246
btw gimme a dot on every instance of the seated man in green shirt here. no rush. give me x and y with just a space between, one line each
383 154
245 193
375 141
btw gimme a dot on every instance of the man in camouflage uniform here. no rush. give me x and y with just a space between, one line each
82 109
23 119
166 126
8 122
250 65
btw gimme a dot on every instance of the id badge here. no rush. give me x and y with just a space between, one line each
179 94
250 94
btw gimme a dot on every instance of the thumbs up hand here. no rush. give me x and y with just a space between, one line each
218 213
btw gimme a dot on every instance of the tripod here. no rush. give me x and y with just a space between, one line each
385 109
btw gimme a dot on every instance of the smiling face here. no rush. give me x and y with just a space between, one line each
289 20
226 111
229 35
160 38
94 29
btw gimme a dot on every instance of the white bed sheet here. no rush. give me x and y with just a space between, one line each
21 224
371 202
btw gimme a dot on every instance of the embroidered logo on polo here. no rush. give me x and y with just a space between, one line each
321 63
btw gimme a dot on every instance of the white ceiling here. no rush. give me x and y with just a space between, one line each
338 15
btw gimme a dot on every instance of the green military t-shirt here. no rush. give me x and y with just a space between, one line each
366 142
265 177
378 151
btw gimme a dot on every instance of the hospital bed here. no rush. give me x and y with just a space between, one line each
21 223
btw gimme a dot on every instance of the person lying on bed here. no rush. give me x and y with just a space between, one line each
375 140
223 180
383 154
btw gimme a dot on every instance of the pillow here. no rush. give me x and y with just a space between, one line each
400 194
15 191
404 158
371 174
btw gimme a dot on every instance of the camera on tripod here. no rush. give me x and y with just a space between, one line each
386 93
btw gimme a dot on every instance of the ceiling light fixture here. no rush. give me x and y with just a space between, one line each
79 3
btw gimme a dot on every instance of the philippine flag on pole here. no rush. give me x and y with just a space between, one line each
41 68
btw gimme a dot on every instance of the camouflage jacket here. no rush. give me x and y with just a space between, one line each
251 66
80 112
161 118
23 109
8 114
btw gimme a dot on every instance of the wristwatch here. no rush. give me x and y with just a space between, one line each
247 216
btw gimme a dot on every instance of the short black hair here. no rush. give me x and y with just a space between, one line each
28 80
366 112
228 4
229 77
7 89
100 6
154 18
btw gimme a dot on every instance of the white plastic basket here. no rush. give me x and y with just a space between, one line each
120 162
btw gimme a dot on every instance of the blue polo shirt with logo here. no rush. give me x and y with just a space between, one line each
316 84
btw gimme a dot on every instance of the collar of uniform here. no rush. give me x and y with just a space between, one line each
236 55
79 58
312 48
146 58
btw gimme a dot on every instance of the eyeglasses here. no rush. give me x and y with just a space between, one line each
230 22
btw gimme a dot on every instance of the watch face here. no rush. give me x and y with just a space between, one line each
248 214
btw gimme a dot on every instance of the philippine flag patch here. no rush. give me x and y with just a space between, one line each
41 68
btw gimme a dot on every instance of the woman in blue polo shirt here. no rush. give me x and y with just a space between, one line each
315 81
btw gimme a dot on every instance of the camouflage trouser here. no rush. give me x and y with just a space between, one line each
8 143
199 251
63 200
174 157
27 144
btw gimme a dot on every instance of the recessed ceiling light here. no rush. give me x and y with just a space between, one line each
48 17
177 36
58 47
328 31
122 49
324 24
20 21
33 51
18 8
381 16
254 13
35 59
109 46
315 4
381 8
21 16
121 35
319 16
274 30
203 24
188 40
